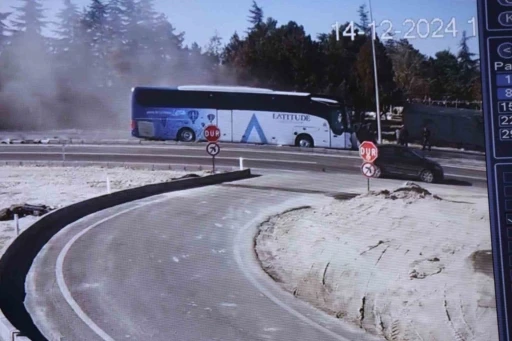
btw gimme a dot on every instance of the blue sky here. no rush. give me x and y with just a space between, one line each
200 19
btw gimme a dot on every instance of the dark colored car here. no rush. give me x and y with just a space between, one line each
395 160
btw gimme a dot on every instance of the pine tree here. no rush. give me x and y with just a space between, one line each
3 29
98 41
30 19
364 22
146 12
69 27
232 50
115 16
214 49
468 69
256 17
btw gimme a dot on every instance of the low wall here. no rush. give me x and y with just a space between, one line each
450 127
18 258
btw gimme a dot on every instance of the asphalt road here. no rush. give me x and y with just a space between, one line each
180 269
257 158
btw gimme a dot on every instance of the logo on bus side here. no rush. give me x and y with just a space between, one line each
292 117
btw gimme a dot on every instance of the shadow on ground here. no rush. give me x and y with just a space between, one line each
454 182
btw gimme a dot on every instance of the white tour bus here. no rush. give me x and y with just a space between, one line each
243 114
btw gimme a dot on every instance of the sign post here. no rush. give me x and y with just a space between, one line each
212 135
369 153
213 149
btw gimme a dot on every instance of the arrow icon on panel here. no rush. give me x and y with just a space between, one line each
505 50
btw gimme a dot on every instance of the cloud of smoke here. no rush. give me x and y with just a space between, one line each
46 85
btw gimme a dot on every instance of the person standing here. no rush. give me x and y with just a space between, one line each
404 136
426 138
397 133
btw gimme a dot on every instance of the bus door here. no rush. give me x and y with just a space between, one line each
224 123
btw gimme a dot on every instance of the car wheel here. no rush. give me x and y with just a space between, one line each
186 135
427 176
304 141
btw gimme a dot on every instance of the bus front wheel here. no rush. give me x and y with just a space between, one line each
304 141
186 135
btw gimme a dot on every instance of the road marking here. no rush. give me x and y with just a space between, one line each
160 155
167 147
60 274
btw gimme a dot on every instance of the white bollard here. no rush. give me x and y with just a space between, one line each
17 224
241 163
108 185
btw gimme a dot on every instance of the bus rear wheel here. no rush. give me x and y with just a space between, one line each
304 141
186 135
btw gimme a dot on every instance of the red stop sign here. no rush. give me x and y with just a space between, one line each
212 133
368 151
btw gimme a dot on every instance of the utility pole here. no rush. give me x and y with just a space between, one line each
377 101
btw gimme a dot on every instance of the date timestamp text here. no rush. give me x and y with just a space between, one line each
408 29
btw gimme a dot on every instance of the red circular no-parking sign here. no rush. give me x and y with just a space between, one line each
212 133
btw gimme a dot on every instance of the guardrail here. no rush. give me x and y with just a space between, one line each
16 323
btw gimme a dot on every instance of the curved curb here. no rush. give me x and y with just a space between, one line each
18 257
250 266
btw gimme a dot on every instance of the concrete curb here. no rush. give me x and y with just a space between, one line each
19 255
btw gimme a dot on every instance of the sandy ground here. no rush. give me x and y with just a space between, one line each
62 186
404 265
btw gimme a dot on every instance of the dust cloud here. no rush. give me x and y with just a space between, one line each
85 82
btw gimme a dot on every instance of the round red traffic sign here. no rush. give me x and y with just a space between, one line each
368 151
212 133
368 169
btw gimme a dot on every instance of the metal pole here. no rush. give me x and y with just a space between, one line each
368 184
377 101
108 185
17 224
213 164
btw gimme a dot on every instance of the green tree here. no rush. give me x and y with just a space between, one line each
364 75
3 30
97 40
214 48
115 16
3 25
337 58
468 70
364 21
443 75
408 67
30 18
256 15
69 29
